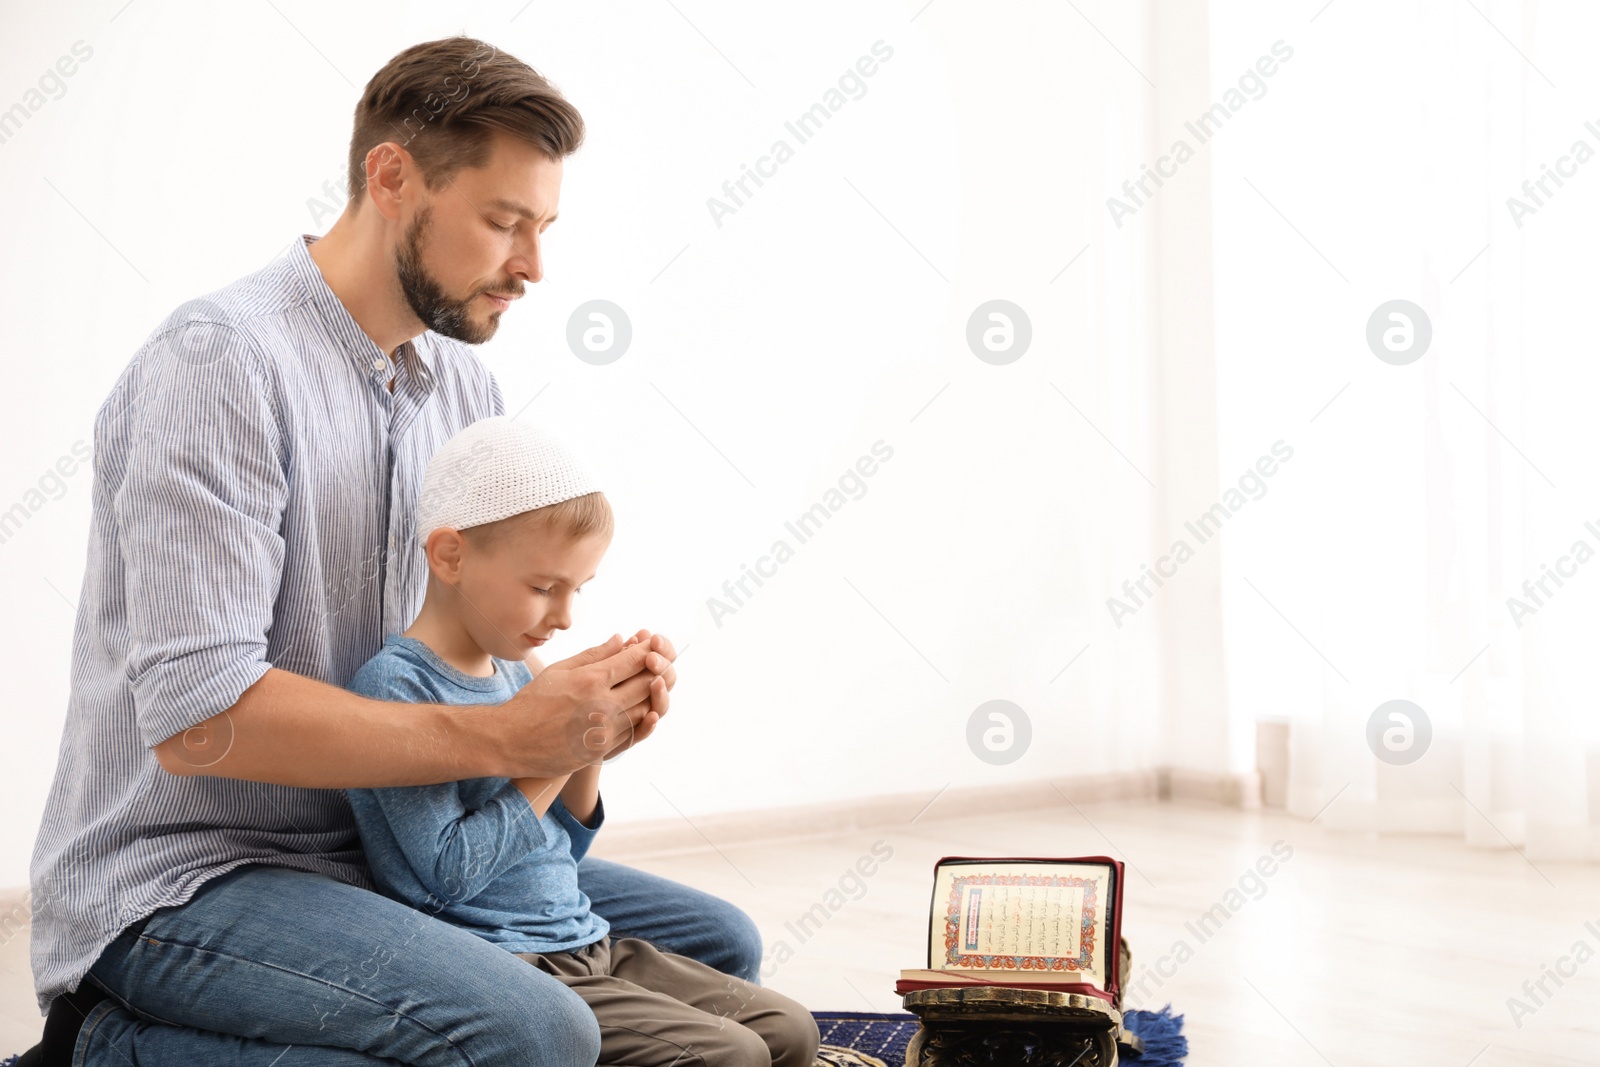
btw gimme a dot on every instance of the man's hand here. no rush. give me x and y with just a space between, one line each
638 722
549 728
659 699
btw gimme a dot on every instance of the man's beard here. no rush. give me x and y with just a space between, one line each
438 312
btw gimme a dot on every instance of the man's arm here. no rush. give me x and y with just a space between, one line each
200 508
287 729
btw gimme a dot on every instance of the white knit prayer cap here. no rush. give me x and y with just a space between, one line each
494 469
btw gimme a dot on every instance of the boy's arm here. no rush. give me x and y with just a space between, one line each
454 853
581 794
580 811
541 792
452 850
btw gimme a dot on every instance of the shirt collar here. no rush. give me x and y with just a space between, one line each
369 359
484 683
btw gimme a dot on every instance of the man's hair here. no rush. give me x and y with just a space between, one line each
444 100
579 517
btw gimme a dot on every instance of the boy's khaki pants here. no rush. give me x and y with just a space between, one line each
657 1009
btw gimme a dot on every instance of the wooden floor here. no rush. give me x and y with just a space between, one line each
1399 951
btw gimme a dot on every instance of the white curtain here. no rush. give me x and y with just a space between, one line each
1387 559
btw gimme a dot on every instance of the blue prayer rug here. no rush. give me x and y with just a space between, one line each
882 1036
847 1036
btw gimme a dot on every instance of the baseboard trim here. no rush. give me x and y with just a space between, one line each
1241 790
665 836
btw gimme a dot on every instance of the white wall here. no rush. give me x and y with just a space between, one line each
1421 497
827 314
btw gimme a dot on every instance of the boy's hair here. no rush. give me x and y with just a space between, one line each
443 101
579 517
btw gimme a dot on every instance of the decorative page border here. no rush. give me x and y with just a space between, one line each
953 919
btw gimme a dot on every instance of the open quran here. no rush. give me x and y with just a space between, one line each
1051 924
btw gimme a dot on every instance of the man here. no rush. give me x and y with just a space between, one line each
199 894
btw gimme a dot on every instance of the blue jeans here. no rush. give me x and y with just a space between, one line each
272 967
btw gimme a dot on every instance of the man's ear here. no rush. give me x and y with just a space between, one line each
387 166
443 549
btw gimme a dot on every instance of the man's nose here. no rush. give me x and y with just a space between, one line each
527 262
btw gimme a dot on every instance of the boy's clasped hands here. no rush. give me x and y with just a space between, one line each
589 707
612 719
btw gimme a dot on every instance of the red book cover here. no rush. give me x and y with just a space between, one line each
1014 921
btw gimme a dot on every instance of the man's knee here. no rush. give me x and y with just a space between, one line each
674 917
555 1029
739 948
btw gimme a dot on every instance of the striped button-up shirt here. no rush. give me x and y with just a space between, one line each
255 489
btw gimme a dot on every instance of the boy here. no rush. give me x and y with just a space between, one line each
512 526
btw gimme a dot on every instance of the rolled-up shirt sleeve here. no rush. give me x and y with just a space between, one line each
199 509
579 835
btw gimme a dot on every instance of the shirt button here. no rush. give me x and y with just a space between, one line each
378 364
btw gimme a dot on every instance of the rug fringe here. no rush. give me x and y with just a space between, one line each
1162 1034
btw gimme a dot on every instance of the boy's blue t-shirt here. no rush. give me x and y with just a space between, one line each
471 852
